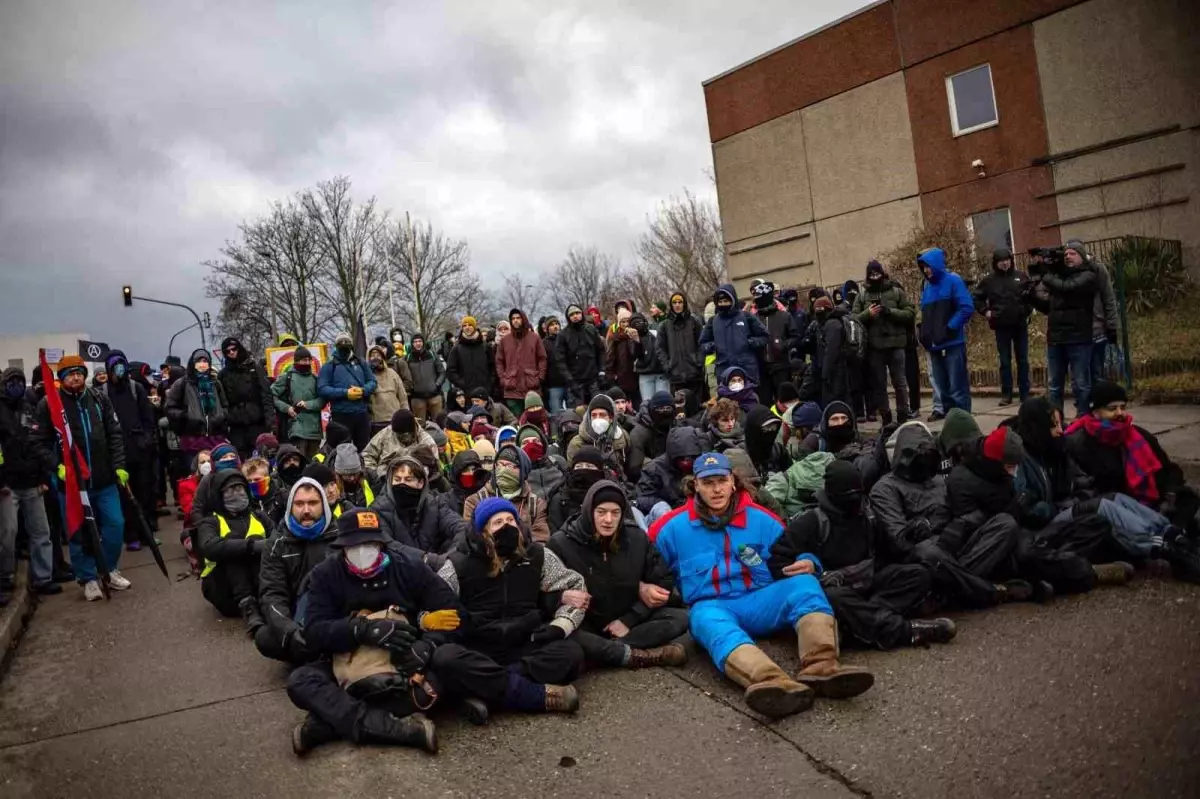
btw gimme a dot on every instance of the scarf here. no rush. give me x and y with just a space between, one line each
208 393
712 521
1141 463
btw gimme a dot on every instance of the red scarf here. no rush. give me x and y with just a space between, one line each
1141 463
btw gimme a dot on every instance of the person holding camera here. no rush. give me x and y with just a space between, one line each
1066 293
1001 298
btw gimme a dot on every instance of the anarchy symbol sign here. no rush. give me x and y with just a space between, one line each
94 351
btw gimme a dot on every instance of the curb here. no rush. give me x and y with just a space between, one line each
14 618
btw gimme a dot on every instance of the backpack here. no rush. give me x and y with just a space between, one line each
854 339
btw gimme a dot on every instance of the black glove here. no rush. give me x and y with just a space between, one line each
255 545
395 636
547 633
415 659
294 642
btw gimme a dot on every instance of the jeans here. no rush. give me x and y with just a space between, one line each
425 408
28 501
106 507
1099 354
1013 341
1079 358
883 361
935 392
948 373
649 385
1135 527
558 398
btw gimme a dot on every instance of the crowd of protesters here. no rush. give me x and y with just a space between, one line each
474 524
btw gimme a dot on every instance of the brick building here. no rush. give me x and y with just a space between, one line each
1034 121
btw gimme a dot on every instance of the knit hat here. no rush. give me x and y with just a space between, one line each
533 400
68 362
1077 246
822 304
1002 445
469 321
841 478
320 472
1105 392
573 309
266 441
223 450
623 315
1001 254
616 393
301 354
403 421
342 337
806 415
661 399
588 454
661 306
679 296
480 393
960 427
489 507
606 491
486 452
358 527
874 268
711 464
346 460
787 392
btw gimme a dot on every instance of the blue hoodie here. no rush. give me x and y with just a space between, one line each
735 336
946 305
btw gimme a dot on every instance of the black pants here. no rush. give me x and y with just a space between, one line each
662 627
243 437
774 375
882 362
555 663
142 486
912 376
581 393
1050 557
359 425
875 615
229 583
951 580
269 643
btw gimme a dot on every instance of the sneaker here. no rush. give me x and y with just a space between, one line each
117 581
92 592
48 589
936 417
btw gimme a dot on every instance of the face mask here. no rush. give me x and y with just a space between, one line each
839 436
663 419
534 449
119 371
849 503
364 559
15 389
261 487
509 483
736 385
291 473
505 540
236 500
585 478
303 368
925 465
224 466
350 484
536 416
684 465
377 364
205 468
469 480
406 496
344 349
600 426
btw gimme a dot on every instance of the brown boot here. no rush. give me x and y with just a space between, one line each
1116 573
669 655
769 690
819 667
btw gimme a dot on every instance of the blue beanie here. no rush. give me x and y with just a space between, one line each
222 450
488 508
807 414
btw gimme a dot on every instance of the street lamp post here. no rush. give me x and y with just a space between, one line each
171 345
127 293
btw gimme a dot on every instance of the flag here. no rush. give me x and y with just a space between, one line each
76 468
93 351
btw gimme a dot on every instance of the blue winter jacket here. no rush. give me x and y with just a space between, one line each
735 336
339 374
946 305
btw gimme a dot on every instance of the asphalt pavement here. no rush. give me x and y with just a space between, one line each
151 694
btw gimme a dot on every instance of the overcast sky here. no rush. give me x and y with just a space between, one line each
135 136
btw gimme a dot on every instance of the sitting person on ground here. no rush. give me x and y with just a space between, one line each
231 540
301 541
185 493
725 427
548 468
688 408
792 443
566 500
796 489
649 437
479 427
402 437
224 458
411 514
745 470
661 486
737 387
266 446
717 546
510 480
498 414
623 406
326 477
600 429
536 414
838 433
289 467
620 565
467 476
487 454
264 497
837 540
957 439
352 481
761 427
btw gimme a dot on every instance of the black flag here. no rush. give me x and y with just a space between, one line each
93 351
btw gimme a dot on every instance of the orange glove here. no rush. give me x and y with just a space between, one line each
439 621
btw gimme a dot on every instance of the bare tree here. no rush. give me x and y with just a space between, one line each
244 321
432 279
519 291
683 250
585 277
481 303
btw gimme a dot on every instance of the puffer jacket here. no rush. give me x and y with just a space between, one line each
946 305
796 489
337 375
1069 301
246 390
679 347
184 410
888 329
472 364
910 500
286 563
95 430
520 361
433 527
660 481
580 352
390 394
426 372
735 337
1003 294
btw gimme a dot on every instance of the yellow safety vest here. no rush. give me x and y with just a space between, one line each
256 529
368 495
319 457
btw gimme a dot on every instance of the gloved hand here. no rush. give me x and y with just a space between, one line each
354 393
396 636
255 545
294 641
62 472
439 621
122 477
547 633
415 659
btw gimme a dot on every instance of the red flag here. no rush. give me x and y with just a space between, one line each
76 498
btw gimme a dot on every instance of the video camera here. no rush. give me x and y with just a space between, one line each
1052 258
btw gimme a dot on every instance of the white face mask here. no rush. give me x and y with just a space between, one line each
737 386
205 468
363 556
600 426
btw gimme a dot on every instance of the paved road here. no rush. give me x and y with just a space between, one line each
1093 696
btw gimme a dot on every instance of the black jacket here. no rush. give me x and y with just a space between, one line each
646 442
679 347
647 357
976 490
843 543
184 410
95 430
659 480
1069 300
472 364
283 573
139 423
433 526
504 610
556 376
235 546
26 465
247 393
909 502
1004 294
782 337
580 352
1106 465
427 373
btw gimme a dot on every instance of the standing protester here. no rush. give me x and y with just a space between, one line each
1002 298
297 398
347 383
471 363
101 447
679 347
197 408
249 396
834 373
1067 295
1104 311
556 375
946 308
648 363
520 362
427 373
390 394
735 337
581 354
621 355
782 337
885 312
138 427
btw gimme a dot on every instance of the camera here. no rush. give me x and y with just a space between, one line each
1052 258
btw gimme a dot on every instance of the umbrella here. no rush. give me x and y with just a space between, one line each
145 533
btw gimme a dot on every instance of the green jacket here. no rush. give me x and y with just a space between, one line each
292 387
795 489
887 330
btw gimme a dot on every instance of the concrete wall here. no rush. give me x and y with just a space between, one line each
784 256
847 242
1015 190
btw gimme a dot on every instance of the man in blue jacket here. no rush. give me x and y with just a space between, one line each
734 336
347 382
718 545
946 307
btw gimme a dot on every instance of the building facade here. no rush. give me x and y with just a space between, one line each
21 352
1032 121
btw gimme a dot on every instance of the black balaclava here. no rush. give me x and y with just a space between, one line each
844 487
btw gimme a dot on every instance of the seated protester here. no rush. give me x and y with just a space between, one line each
536 414
510 480
231 540
724 428
354 488
567 499
649 437
289 467
733 599
796 489
1125 459
185 493
437 482
336 434
264 498
439 442
762 428
413 515
605 545
660 488
786 399
505 435
623 407
744 469
224 458
601 430
457 401
688 408
480 428
383 624
458 435
503 581
837 541
497 412
486 452
838 433
266 446
791 444
739 388
467 476
301 540
549 470
958 438
333 490
402 437
566 425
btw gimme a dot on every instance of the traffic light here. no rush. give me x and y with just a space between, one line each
127 293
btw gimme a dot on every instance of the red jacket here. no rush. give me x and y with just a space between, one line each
185 491
520 361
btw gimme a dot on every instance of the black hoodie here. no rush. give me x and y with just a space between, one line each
25 465
660 481
679 347
184 408
246 389
1003 294
237 545
430 526
133 409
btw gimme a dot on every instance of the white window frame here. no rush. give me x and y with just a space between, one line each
970 222
954 108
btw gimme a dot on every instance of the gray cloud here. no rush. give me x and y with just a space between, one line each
135 136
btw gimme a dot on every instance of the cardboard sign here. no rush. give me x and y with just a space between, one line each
279 359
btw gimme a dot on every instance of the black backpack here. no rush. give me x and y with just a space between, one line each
854 339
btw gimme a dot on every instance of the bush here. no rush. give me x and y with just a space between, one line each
1154 273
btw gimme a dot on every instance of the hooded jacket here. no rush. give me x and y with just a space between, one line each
390 394
612 443
620 357
735 337
612 577
386 446
548 473
292 388
647 355
910 500
532 507
238 545
139 424
246 390
647 441
1003 294
946 305
1105 464
95 430
184 408
25 464
338 375
865 453
783 336
580 351
287 562
520 360
432 526
977 489
887 330
463 461
427 371
846 544
679 347
660 481
796 489
471 364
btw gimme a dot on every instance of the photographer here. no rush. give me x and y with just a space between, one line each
1001 298
1066 293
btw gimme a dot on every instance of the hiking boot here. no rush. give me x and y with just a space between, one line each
48 589
1014 591
118 582
936 416
669 655
769 690
310 734
819 666
561 699
474 710
1116 573
377 726
1005 401
932 631
251 615
91 591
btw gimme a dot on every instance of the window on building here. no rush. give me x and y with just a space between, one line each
972 100
991 230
